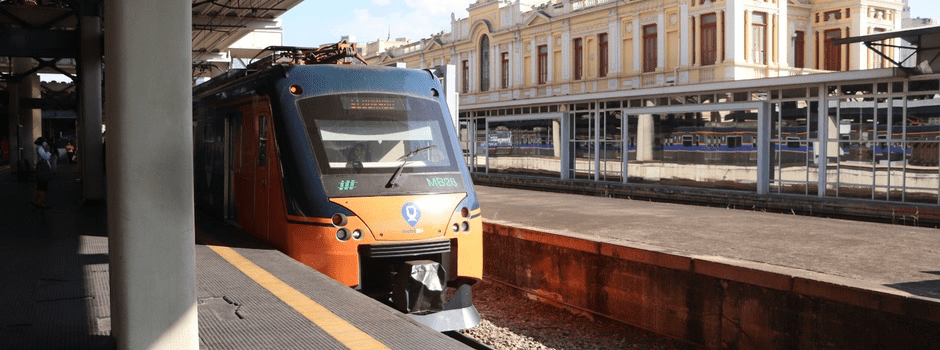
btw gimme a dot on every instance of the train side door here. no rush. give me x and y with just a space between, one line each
253 174
262 176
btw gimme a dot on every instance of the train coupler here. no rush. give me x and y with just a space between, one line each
419 289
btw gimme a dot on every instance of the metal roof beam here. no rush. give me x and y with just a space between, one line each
254 22
31 42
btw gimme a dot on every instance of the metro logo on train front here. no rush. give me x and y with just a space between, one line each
411 213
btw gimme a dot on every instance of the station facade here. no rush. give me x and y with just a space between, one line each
753 95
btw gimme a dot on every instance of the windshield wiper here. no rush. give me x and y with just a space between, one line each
392 182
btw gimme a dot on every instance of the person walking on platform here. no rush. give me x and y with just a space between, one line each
53 148
43 173
70 151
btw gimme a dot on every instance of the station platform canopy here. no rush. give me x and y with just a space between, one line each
47 30
219 24
919 52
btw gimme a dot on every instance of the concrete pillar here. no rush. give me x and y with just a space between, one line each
90 150
534 64
828 126
14 122
746 44
857 54
637 47
644 137
150 174
697 35
495 65
833 134
773 42
615 42
764 159
27 123
460 76
551 58
567 155
719 39
566 52
684 36
473 66
31 118
556 137
661 42
784 36
735 47
519 63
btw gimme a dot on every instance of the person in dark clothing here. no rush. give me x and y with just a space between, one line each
43 173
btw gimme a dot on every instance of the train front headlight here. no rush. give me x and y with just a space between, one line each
464 225
342 234
339 220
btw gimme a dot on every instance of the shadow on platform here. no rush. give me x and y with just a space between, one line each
54 262
929 288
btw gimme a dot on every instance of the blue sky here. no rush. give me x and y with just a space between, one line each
925 8
315 22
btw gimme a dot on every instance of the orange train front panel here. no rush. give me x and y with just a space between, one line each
389 220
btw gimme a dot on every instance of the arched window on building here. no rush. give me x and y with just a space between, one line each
485 63
650 58
833 53
799 42
758 37
504 69
578 59
709 32
602 54
465 75
543 64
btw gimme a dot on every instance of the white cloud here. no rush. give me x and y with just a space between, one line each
416 20
440 7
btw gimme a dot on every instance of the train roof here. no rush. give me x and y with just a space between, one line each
282 57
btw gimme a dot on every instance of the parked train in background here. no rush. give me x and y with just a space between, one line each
732 143
348 168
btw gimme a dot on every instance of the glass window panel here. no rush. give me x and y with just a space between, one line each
524 147
794 93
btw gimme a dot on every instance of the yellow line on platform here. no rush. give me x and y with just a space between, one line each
338 328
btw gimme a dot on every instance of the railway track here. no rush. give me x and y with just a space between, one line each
468 341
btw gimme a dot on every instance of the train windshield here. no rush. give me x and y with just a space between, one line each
378 140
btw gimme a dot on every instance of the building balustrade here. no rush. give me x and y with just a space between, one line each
686 76
583 4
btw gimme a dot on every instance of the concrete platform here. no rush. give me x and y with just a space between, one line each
719 277
899 257
288 305
55 295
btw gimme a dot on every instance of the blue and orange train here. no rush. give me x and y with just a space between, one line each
351 169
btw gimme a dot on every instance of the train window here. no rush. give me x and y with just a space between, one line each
687 140
262 141
733 141
793 142
369 133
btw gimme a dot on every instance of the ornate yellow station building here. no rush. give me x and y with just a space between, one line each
508 50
